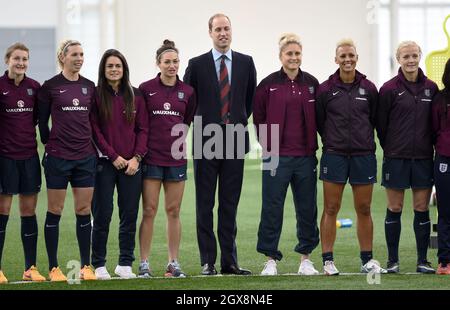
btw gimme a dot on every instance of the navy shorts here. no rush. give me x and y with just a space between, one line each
407 173
360 169
20 176
165 173
59 172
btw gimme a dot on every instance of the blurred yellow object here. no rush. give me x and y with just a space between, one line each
436 60
344 223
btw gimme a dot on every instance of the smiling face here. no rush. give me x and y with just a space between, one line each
72 60
346 58
291 57
17 62
409 59
113 69
169 64
221 33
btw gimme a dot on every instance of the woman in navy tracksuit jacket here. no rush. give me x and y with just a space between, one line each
345 110
405 134
441 129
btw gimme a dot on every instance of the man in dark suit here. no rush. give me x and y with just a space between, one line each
225 83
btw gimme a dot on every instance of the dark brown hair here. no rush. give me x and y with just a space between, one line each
446 81
166 46
105 107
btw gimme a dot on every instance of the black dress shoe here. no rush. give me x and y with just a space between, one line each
209 270
233 269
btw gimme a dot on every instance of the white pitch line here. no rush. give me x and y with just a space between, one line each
220 275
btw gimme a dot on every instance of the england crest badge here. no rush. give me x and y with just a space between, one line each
84 90
443 168
362 91
30 91
311 90
427 92
180 95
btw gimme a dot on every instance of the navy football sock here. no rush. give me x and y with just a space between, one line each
3 222
422 228
327 256
392 229
365 256
51 234
84 229
29 233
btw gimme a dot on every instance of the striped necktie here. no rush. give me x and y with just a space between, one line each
224 84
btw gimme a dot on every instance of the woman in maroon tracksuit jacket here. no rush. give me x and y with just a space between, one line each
405 134
441 129
345 110
285 99
20 172
120 127
69 153
171 106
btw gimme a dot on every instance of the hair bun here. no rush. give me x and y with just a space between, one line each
168 43
288 38
166 46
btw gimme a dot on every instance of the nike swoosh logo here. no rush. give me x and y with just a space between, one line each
5 93
421 224
334 94
30 235
50 226
82 226
402 93
181 175
273 89
152 94
62 91
392 222
370 178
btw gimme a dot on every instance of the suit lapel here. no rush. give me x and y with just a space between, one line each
235 66
211 67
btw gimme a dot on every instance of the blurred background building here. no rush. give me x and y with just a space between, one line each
138 27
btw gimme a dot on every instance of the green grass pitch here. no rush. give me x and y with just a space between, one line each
346 248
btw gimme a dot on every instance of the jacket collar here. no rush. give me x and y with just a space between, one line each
284 77
336 79
421 82
11 81
216 54
421 78
113 92
158 78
